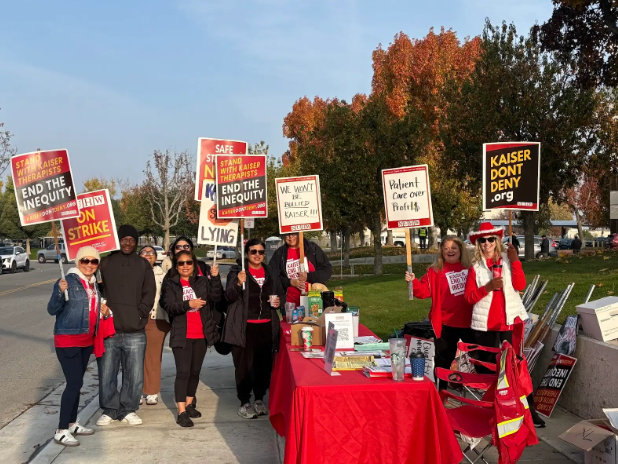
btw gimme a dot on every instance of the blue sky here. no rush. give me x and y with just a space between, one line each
113 80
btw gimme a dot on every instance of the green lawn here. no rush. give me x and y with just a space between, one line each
384 300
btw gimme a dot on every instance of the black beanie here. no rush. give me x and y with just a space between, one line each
127 231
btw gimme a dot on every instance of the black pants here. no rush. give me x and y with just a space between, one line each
74 362
423 242
446 347
188 366
253 363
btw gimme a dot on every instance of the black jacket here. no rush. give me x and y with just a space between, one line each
313 253
130 289
545 245
576 244
172 302
234 331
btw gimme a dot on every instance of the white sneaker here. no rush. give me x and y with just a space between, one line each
132 419
152 400
141 400
64 438
104 420
77 429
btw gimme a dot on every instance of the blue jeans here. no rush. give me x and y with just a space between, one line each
126 350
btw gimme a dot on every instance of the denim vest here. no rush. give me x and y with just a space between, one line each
72 317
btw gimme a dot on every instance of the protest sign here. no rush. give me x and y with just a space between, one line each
407 197
566 341
213 231
44 187
299 204
554 380
94 227
428 348
241 186
511 175
206 151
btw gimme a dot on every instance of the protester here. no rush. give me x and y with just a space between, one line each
183 243
544 246
252 327
576 244
130 289
285 267
185 296
492 287
77 325
450 313
422 235
156 331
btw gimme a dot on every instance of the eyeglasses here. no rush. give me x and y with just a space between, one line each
189 262
128 240
183 247
85 261
257 252
488 239
148 253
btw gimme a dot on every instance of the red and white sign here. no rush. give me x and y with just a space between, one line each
44 187
407 197
205 169
241 186
95 225
554 380
299 204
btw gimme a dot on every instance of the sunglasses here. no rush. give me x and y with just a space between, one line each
93 261
188 262
488 239
257 252
183 247
148 253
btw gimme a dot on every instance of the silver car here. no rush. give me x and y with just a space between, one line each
13 258
49 254
222 253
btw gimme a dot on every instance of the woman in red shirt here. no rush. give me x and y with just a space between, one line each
450 313
77 322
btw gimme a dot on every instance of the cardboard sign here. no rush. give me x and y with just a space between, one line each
511 175
249 223
94 227
343 324
329 349
241 186
213 231
206 151
407 197
428 348
299 204
44 187
546 397
586 436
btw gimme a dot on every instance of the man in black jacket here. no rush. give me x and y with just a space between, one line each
285 266
576 244
544 246
129 287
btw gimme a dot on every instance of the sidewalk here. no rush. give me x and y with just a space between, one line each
220 436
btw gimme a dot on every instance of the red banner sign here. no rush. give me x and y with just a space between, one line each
94 227
241 186
44 187
205 169
546 397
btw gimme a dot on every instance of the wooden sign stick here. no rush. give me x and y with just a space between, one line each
510 227
301 239
409 260
242 246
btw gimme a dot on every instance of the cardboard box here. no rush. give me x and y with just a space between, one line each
319 328
600 318
594 438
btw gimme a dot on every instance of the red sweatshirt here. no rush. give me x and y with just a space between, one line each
497 311
446 288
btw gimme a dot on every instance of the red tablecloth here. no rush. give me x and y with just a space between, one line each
354 419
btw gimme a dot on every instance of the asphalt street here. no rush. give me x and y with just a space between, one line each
29 369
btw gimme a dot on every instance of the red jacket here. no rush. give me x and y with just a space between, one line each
106 330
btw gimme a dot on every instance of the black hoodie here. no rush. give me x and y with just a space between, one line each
130 289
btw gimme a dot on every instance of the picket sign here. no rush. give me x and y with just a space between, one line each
206 150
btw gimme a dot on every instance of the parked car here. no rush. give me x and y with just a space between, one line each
222 253
565 244
537 246
49 254
14 258
161 254
612 241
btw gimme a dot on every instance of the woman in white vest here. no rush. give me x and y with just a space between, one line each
492 287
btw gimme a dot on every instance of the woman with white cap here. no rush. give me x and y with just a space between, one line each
77 323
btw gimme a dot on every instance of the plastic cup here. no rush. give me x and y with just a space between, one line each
398 357
271 298
307 335
289 309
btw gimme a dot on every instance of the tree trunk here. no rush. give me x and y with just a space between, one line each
580 228
361 237
28 246
346 249
433 238
389 237
166 240
377 244
528 224
333 242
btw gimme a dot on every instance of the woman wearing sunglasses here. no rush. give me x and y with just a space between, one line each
185 296
77 323
252 327
156 331
183 243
